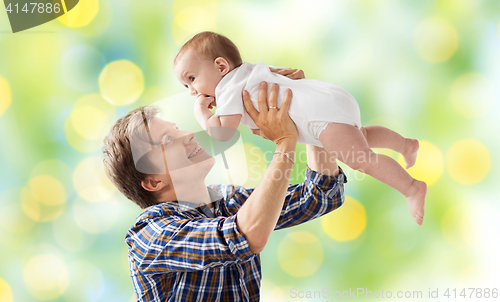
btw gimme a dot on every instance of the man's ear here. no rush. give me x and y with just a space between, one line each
153 183
223 65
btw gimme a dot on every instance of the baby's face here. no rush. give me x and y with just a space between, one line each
200 76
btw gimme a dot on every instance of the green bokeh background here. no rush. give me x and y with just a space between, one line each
396 57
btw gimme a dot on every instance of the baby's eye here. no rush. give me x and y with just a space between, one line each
191 79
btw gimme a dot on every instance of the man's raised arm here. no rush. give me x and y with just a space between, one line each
258 216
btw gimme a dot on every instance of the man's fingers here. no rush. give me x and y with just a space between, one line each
283 71
259 133
287 71
247 102
286 101
262 102
273 97
298 74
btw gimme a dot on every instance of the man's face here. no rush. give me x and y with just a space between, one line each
185 159
199 75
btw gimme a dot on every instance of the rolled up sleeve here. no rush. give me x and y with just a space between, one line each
168 244
317 195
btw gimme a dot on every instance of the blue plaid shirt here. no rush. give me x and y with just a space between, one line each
181 253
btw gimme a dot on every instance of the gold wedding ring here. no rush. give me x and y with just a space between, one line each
272 107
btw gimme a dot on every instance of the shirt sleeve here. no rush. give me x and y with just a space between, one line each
229 99
169 243
317 195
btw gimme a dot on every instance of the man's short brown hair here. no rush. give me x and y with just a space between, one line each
209 45
118 158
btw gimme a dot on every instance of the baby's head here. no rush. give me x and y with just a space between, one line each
204 60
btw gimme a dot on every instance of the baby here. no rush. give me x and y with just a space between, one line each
210 66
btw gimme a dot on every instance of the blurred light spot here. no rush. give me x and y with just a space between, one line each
80 67
56 169
472 95
435 40
86 283
271 293
121 82
70 235
89 123
81 15
44 199
91 182
12 217
46 276
468 161
5 291
460 10
193 18
457 226
5 95
48 190
430 164
347 222
300 254
96 218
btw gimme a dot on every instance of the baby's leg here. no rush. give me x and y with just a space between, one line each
348 145
381 137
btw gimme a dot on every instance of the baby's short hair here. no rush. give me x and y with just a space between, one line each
209 45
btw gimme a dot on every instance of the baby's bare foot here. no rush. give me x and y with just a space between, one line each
410 152
416 200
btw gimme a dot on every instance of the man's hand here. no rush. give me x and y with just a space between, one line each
294 74
274 124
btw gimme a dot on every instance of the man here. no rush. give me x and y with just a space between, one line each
193 243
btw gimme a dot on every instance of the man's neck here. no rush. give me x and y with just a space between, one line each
195 193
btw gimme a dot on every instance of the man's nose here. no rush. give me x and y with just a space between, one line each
187 136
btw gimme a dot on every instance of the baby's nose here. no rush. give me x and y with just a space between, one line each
193 92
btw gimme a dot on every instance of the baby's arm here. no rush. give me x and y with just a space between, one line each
221 128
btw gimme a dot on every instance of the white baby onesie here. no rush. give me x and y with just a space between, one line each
314 103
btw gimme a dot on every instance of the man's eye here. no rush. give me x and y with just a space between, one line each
191 79
166 139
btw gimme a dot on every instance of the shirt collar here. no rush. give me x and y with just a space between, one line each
214 196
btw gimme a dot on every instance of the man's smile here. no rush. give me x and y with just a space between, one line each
198 148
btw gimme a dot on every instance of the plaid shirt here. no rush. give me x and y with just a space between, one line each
180 253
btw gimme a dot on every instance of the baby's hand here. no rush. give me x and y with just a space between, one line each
205 101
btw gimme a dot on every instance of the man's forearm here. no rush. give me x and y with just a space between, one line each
258 216
319 160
